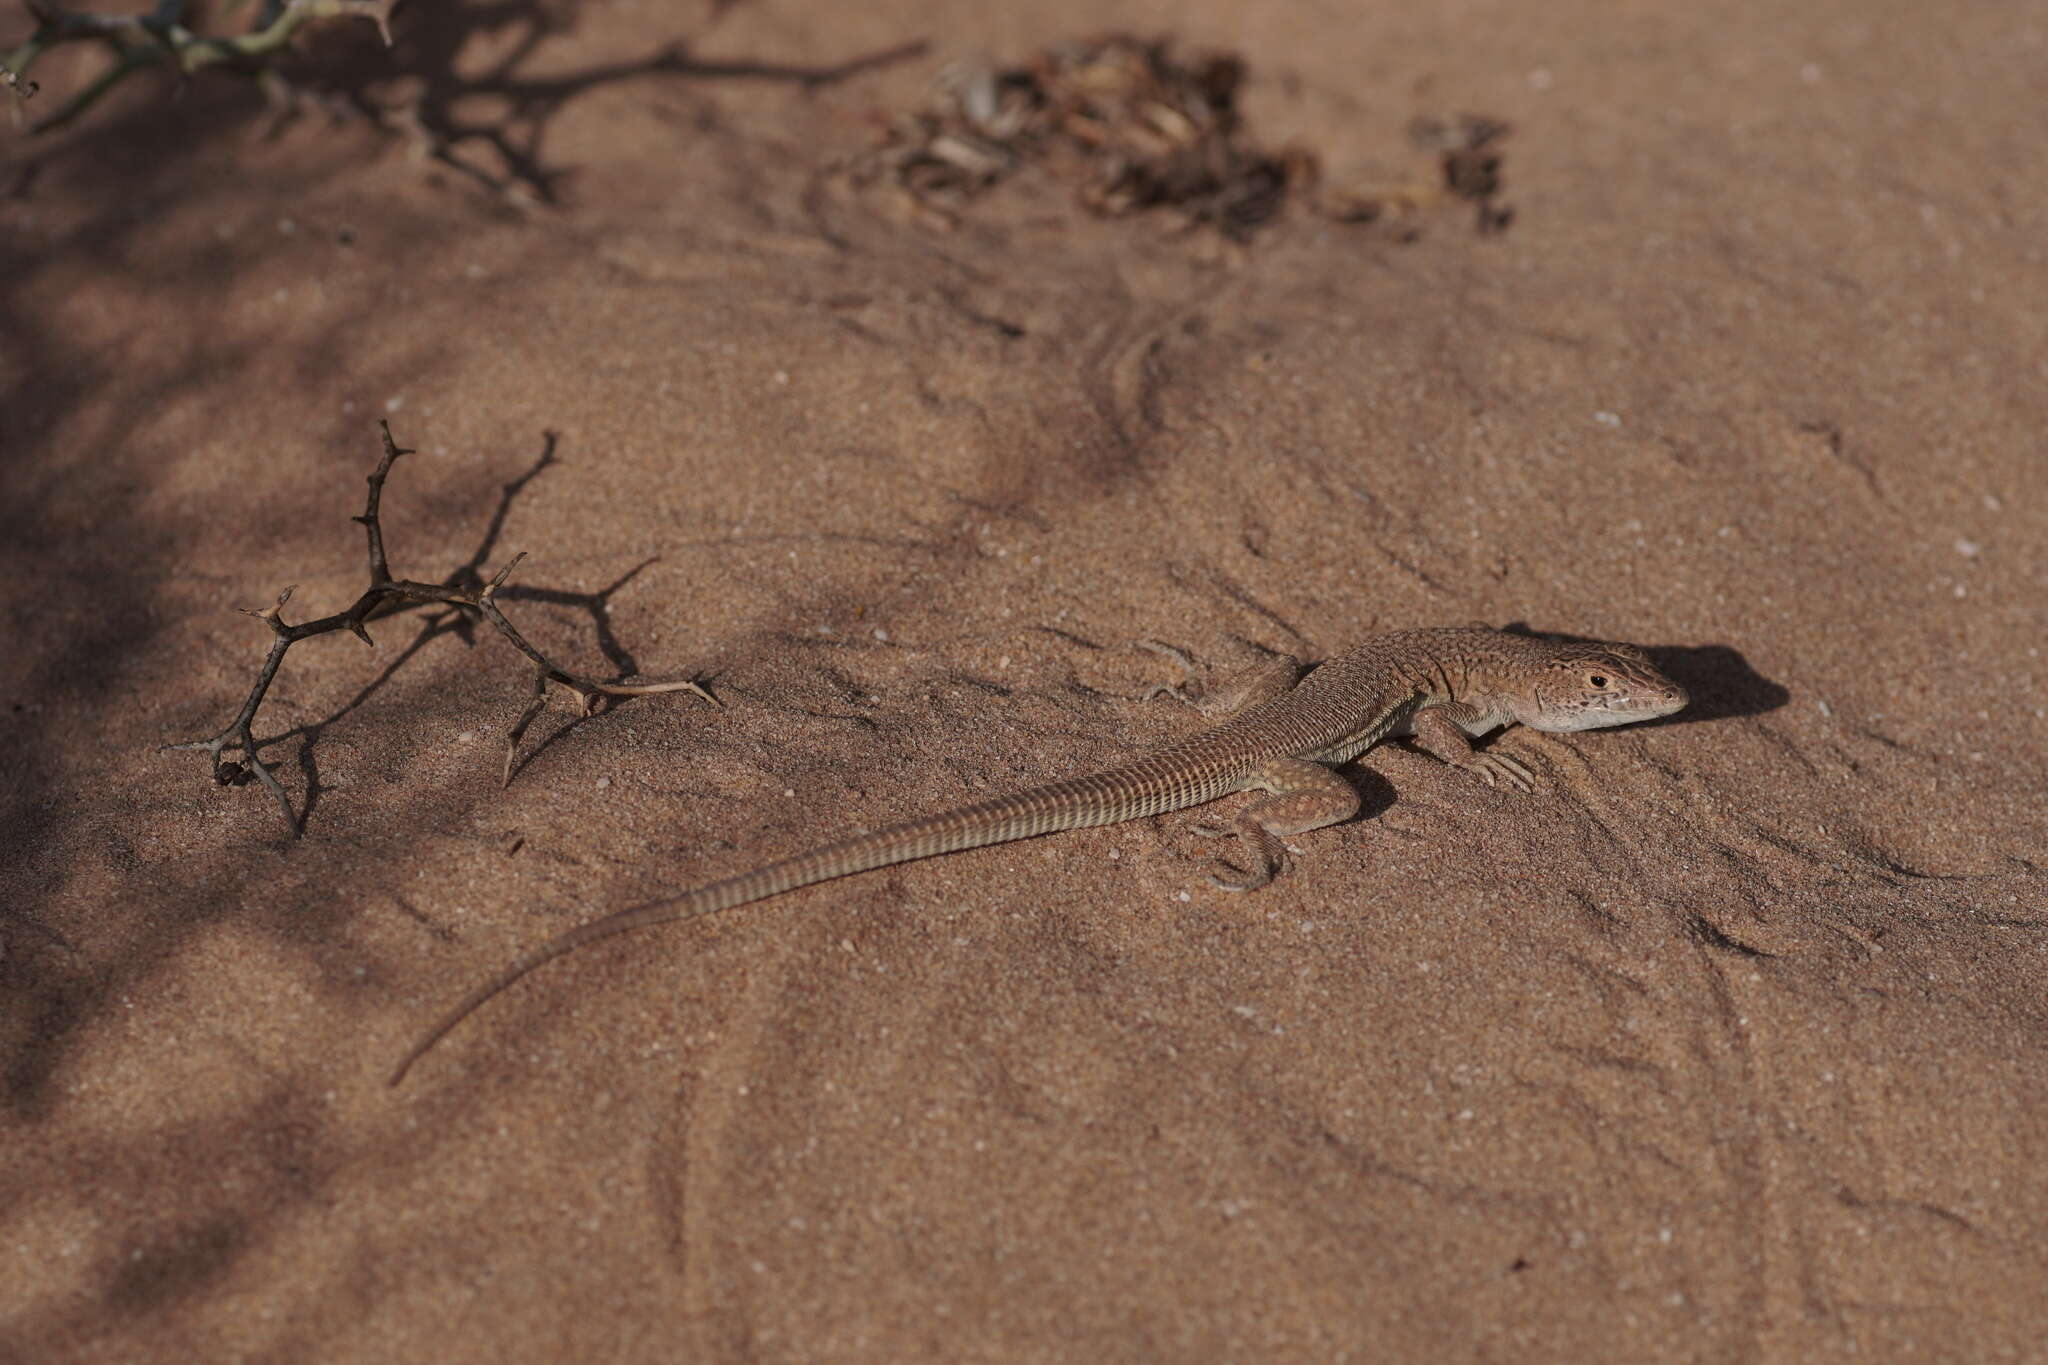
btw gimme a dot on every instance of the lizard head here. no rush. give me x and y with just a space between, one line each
1589 686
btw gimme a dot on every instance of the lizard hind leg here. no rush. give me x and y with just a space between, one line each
1304 795
1262 681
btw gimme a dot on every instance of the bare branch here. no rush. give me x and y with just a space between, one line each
20 88
458 591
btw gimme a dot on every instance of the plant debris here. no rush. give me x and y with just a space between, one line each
1131 128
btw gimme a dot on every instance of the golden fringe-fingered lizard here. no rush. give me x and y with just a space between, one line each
1438 687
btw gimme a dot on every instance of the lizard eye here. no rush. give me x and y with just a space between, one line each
1598 680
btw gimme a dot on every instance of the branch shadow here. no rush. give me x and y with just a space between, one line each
426 86
114 177
503 153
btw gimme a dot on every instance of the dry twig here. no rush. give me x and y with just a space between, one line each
385 591
21 89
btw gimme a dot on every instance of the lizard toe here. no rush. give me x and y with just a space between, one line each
1514 772
1250 881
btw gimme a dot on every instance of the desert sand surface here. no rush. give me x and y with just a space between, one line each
1727 1045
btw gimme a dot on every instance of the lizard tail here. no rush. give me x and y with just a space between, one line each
1100 799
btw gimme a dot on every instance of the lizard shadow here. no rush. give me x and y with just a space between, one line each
1719 681
1376 792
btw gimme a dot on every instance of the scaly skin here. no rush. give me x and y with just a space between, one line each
1438 686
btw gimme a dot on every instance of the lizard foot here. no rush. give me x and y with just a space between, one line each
1271 863
1500 770
1264 680
1188 690
1301 795
1439 732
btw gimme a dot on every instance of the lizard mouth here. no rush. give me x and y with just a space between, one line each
1645 706
1673 698
1603 712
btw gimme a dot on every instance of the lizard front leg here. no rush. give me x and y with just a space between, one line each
1305 795
1437 732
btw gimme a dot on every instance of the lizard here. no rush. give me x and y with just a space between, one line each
1440 688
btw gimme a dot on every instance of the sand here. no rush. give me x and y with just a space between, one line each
1728 1045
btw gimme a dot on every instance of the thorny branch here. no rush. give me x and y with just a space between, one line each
383 590
162 38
